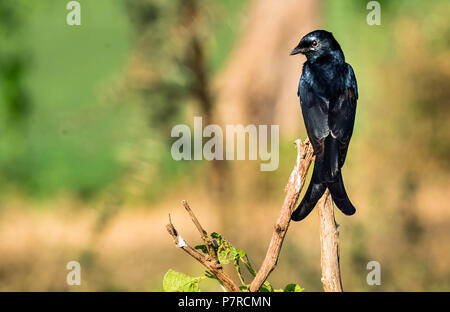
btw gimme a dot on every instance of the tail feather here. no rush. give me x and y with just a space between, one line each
328 166
340 197
315 191
313 194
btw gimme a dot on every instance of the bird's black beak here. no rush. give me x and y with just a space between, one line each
298 49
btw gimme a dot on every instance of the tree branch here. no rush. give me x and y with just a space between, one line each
293 189
210 263
203 233
329 245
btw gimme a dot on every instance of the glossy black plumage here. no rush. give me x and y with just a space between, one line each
328 93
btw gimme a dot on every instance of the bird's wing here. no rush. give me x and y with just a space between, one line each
315 115
342 114
350 80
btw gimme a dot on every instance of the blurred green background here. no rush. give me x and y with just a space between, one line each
86 112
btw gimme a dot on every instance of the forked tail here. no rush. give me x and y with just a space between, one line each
317 188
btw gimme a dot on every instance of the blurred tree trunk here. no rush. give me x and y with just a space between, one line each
259 82
201 90
171 43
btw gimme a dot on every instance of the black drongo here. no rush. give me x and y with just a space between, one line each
328 94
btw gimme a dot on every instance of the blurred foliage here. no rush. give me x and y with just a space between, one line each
56 136
60 106
179 46
15 102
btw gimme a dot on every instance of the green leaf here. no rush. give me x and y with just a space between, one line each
249 268
268 286
233 253
223 256
203 248
244 288
209 274
241 253
238 270
176 281
216 235
293 288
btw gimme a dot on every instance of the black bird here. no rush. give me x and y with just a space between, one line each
328 95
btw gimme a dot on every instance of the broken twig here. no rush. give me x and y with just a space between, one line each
211 263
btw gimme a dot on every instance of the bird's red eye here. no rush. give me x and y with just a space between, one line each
314 43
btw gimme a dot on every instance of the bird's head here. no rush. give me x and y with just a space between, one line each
317 44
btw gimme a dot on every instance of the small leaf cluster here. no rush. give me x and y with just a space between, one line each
226 254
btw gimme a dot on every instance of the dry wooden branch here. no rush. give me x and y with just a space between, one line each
329 243
210 263
293 189
203 233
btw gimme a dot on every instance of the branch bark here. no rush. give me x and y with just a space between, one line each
329 245
211 263
204 235
293 189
